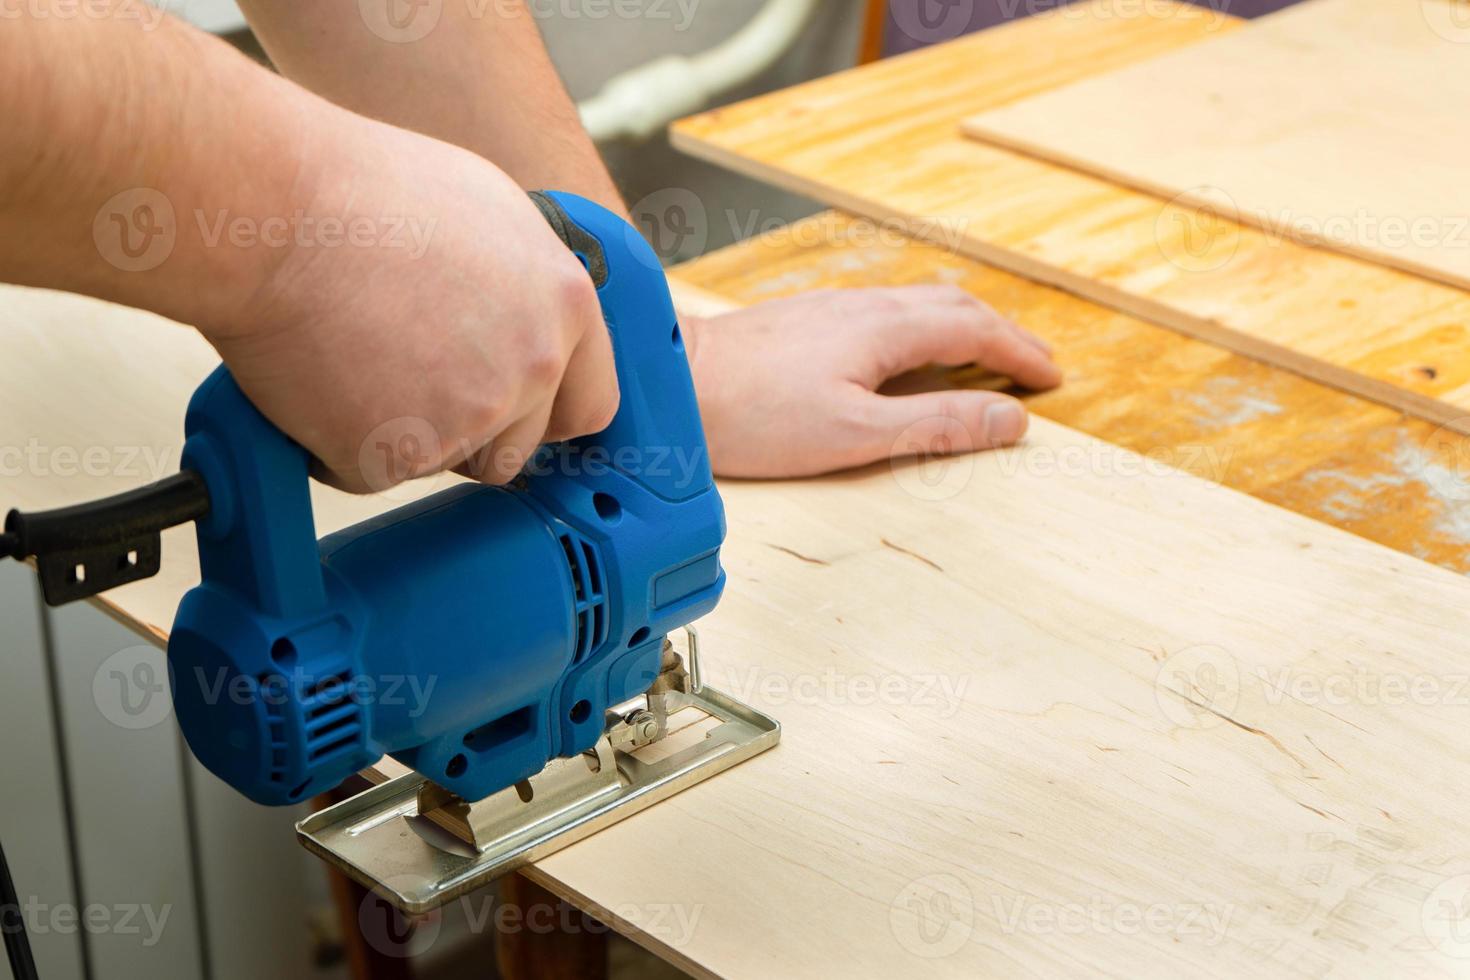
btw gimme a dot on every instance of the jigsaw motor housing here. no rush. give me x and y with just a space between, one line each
474 634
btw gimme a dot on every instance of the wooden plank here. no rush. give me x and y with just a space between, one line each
988 734
883 141
985 667
1334 122
1393 479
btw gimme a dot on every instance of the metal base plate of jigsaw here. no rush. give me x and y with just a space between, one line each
419 846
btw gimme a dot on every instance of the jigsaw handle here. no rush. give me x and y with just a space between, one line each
526 610
259 537
658 407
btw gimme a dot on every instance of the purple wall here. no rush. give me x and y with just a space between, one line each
916 23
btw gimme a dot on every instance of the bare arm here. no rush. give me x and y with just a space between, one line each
785 389
120 129
472 72
362 281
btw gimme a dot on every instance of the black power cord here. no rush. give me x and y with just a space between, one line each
13 924
89 548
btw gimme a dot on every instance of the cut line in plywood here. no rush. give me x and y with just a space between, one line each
883 142
1339 123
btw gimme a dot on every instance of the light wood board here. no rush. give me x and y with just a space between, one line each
1335 122
883 141
1049 710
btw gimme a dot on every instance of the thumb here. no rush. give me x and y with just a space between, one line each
938 423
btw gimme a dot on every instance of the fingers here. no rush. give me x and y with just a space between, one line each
499 461
945 325
936 423
588 397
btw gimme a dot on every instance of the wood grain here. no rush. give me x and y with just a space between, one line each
1035 711
1397 480
883 141
1334 122
1029 708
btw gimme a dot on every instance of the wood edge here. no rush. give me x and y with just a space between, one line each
692 300
622 926
1343 379
972 127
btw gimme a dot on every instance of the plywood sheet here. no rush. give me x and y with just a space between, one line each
1057 709
1397 480
1336 122
1048 712
883 142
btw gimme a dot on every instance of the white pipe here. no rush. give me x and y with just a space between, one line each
641 101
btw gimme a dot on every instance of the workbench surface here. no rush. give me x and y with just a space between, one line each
1060 709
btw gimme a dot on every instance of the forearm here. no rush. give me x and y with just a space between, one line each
480 78
131 146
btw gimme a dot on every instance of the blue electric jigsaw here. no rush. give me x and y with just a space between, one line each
510 646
